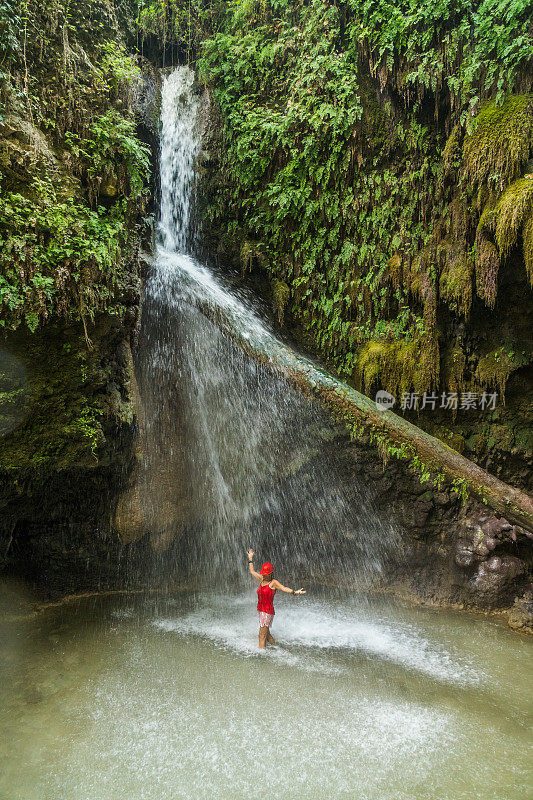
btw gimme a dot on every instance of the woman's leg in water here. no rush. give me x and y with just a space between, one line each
263 633
270 638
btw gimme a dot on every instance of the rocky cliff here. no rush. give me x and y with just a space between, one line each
75 165
367 169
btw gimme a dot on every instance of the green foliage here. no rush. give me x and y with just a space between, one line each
10 25
309 152
337 176
468 50
112 157
68 215
88 426
58 257
180 23
168 19
119 69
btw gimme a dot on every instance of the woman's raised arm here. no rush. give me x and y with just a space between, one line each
253 573
277 585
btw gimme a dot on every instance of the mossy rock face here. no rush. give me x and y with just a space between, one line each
73 167
68 451
70 277
24 150
374 188
455 284
494 368
398 366
476 443
454 440
524 439
13 392
402 237
501 141
501 438
69 397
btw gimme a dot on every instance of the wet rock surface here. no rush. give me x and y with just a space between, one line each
521 614
496 577
450 553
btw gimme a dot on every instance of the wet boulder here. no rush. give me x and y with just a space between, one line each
521 616
481 535
474 546
464 553
496 577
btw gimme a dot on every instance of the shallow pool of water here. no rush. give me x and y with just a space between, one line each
126 698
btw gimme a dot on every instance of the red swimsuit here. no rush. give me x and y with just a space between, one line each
265 597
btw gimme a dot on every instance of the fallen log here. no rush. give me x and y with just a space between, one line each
394 435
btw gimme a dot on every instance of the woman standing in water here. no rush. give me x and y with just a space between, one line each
265 594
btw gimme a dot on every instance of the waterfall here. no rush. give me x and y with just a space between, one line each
233 457
180 144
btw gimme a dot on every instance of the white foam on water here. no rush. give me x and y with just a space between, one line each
181 273
238 633
123 613
312 626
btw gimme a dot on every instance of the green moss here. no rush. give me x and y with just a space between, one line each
394 265
453 439
501 437
12 392
455 282
451 154
280 297
60 424
503 218
499 145
398 366
514 208
524 439
476 443
487 261
494 368
454 364
527 237
370 363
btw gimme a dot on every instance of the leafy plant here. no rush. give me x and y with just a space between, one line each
336 173
58 257
112 157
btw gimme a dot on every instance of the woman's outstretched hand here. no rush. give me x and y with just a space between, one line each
250 555
299 591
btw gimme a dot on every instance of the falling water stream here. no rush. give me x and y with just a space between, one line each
168 697
233 456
